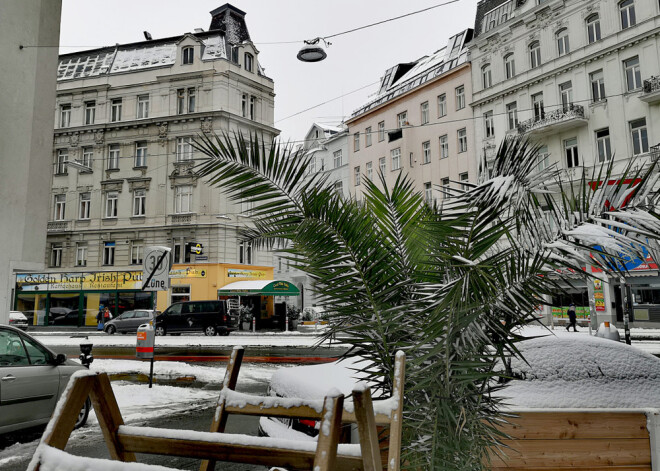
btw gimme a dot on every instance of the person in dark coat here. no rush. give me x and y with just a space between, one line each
572 318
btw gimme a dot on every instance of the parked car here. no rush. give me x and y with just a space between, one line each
32 378
210 317
70 318
129 321
18 319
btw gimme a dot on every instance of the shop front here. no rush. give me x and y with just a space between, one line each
75 298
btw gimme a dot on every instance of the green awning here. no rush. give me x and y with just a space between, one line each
259 288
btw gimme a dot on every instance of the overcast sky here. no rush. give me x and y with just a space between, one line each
354 61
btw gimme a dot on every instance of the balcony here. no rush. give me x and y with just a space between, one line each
559 120
654 153
651 90
187 218
57 226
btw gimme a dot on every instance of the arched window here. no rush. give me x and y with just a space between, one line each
593 28
188 54
535 54
627 10
563 46
486 76
509 65
249 61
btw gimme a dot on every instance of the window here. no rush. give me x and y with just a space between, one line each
367 137
182 199
84 205
463 177
87 156
445 187
396 158
542 159
489 124
137 249
81 254
593 28
185 100
512 115
571 152
115 110
633 75
234 54
184 149
566 95
402 119
486 76
627 10
62 159
428 193
191 100
142 106
244 105
382 165
90 112
140 154
424 110
444 147
139 202
535 54
509 65
563 46
426 152
597 86
356 175
339 187
113 156
56 255
537 106
381 131
639 136
60 208
188 54
245 252
179 293
369 170
337 158
462 140
111 204
442 105
460 97
603 145
65 116
109 253
356 142
249 59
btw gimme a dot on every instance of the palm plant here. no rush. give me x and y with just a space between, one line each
450 285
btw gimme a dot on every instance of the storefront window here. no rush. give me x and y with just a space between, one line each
180 293
646 296
132 301
64 309
33 306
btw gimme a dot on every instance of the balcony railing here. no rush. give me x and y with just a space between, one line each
57 226
563 116
651 90
181 218
654 153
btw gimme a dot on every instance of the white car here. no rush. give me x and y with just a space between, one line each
18 319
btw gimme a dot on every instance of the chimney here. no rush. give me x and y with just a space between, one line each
231 21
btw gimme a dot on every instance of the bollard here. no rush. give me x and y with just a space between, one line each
146 339
254 324
286 324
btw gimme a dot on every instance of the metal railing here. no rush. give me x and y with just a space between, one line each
652 85
654 152
553 117
57 226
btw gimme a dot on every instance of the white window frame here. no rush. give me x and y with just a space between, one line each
461 135
381 131
445 184
183 199
444 146
115 110
187 55
59 206
65 115
81 254
367 137
356 175
639 136
542 159
337 158
510 65
84 205
245 252
109 252
248 62
137 252
593 28
563 44
537 106
597 82
428 193
87 156
627 14
142 107
603 145
139 202
184 149
486 76
402 119
56 250
426 152
442 105
424 111
460 97
62 159
534 54
512 115
140 154
395 155
90 112
571 152
369 170
632 73
181 101
356 141
111 199
464 178
489 124
566 95
113 156
382 165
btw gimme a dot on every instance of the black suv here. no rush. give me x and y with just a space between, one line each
210 317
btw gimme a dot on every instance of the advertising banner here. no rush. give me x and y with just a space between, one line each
582 312
113 280
246 273
599 296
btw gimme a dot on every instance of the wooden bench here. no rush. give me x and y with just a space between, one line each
584 440
124 441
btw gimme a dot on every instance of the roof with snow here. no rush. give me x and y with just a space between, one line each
402 78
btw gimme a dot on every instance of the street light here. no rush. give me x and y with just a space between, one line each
312 51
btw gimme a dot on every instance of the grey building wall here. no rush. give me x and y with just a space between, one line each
26 123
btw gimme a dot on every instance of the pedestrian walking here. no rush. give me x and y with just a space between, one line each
99 318
572 318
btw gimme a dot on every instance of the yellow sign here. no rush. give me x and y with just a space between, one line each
188 272
112 280
246 273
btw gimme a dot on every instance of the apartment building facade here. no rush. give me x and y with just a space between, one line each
123 157
581 79
419 123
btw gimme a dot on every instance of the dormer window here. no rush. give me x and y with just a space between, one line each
234 54
188 54
249 62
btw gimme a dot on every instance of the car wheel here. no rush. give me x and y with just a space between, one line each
160 330
111 329
210 331
83 414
